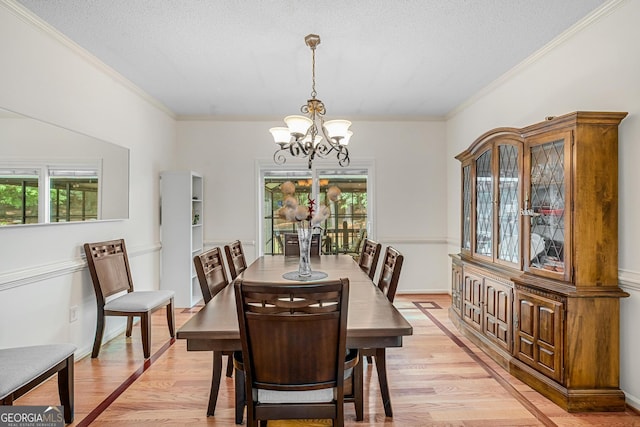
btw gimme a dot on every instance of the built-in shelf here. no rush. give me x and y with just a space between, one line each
182 217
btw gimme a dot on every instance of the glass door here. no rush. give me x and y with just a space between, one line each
347 227
484 205
345 192
508 226
546 197
273 226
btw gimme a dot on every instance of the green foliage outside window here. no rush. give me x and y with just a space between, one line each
18 201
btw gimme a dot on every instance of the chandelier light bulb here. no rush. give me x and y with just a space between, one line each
298 125
281 135
337 128
345 140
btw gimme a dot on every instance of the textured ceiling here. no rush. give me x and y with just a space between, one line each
248 58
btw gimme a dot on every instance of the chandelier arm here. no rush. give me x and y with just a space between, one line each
343 156
278 157
298 149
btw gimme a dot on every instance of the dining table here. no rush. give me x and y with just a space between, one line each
373 322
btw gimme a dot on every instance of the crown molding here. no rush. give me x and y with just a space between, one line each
31 19
593 17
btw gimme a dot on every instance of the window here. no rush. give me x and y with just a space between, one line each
350 219
49 193
18 196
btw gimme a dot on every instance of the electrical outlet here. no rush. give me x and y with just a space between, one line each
73 314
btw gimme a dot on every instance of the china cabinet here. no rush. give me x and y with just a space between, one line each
181 233
535 284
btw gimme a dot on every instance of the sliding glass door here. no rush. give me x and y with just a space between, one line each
350 220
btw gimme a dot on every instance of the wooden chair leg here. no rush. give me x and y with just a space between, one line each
215 382
240 395
66 389
381 366
171 319
145 324
129 326
97 341
230 366
339 421
358 390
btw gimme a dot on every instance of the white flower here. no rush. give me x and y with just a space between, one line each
288 188
290 202
333 193
322 214
301 213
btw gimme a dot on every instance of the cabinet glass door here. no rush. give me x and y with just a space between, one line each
484 205
547 203
466 208
508 205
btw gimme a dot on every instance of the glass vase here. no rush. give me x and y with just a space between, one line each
304 243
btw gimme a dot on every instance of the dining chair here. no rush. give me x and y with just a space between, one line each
111 275
292 247
388 284
213 278
390 272
368 260
235 258
293 341
356 249
25 368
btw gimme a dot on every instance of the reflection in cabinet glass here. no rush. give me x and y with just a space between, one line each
547 202
484 205
466 208
508 215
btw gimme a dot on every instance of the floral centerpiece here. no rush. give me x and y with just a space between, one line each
309 219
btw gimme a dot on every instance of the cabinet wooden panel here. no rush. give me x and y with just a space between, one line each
538 255
472 301
456 288
539 333
497 312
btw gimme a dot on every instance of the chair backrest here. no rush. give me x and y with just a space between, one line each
355 248
368 260
235 258
109 268
211 273
390 272
293 336
292 247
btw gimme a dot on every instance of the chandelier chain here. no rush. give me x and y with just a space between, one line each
313 73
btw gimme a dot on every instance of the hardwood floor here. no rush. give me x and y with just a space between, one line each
438 378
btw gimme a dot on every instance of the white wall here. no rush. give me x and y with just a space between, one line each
42 272
596 68
410 197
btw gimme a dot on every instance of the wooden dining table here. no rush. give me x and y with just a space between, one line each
373 321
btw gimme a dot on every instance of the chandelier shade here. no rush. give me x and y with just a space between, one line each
330 137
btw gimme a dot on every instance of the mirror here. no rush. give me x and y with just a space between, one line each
49 174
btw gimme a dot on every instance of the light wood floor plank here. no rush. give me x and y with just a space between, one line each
433 382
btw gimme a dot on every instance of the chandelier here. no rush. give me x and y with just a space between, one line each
309 135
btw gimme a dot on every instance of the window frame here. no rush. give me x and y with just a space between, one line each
45 170
362 167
